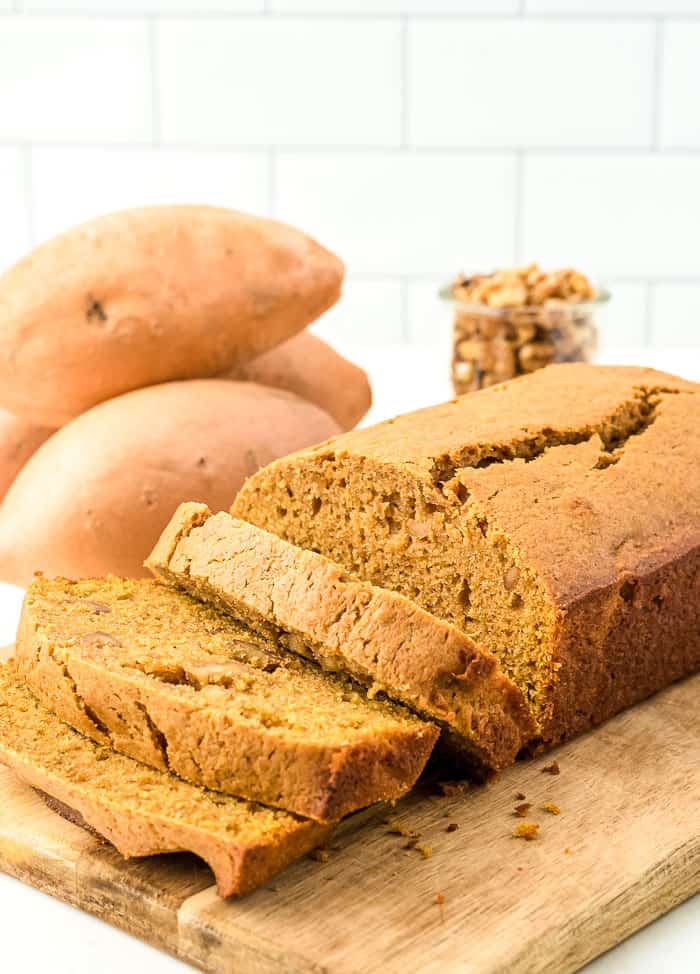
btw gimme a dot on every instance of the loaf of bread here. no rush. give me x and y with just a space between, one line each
96 496
151 295
143 811
173 683
311 369
555 518
308 604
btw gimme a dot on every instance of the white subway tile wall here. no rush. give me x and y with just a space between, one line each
14 236
630 7
626 214
75 79
418 138
402 212
675 314
146 6
72 185
268 80
680 85
369 312
397 6
503 83
625 319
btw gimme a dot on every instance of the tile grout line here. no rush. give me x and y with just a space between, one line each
355 148
154 82
618 17
434 277
404 107
657 82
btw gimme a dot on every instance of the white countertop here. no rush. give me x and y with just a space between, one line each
42 934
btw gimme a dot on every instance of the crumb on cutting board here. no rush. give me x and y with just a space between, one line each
425 850
449 789
552 768
552 808
527 831
519 796
398 828
452 827
520 811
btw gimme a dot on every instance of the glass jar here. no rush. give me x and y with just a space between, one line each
491 344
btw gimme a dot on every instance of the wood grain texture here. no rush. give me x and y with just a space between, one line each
625 849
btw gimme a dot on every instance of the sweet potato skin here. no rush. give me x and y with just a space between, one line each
19 440
96 496
310 368
152 295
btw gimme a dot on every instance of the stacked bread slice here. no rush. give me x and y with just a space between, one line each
250 698
143 811
144 689
246 705
302 601
171 682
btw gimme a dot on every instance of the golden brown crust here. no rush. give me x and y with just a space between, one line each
568 499
308 367
314 607
171 682
151 295
142 811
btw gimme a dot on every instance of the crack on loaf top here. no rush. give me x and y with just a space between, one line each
476 457
649 399
631 418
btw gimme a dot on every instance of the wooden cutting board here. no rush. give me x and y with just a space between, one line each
624 850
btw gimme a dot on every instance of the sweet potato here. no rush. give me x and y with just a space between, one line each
96 496
150 295
310 368
19 439
304 365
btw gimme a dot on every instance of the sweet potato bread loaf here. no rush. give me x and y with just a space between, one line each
171 682
151 295
307 603
556 518
310 368
96 496
143 811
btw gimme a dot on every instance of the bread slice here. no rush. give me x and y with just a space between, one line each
553 517
307 603
173 683
142 811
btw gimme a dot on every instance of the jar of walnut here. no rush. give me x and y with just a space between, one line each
515 321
